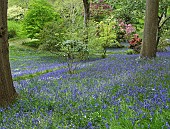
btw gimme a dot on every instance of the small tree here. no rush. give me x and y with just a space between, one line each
106 35
74 51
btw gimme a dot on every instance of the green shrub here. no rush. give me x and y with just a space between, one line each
74 51
12 33
15 29
52 36
39 12
15 13
106 35
130 52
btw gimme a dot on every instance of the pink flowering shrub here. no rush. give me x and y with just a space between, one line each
124 31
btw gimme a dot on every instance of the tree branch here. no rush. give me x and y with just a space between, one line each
160 26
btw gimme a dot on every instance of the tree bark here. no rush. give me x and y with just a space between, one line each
86 19
149 46
7 90
86 11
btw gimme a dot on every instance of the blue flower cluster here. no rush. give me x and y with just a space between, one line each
121 91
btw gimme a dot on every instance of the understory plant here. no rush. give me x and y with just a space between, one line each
106 35
99 10
74 51
51 36
38 14
15 13
135 43
124 31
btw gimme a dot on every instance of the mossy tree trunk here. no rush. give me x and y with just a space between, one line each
149 46
7 90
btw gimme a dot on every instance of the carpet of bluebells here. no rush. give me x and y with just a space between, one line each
119 92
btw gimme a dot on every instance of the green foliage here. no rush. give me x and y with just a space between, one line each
21 3
12 33
128 10
52 36
74 51
163 44
130 52
39 13
106 36
33 43
15 29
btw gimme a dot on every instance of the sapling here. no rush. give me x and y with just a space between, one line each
74 51
106 35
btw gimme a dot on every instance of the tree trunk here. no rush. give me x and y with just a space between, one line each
86 19
7 90
149 46
86 11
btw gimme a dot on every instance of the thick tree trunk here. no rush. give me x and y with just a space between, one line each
7 90
149 46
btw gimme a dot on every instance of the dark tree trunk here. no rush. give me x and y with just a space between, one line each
86 11
86 19
149 46
7 90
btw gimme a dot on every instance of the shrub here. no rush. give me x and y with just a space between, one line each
130 52
99 10
135 43
52 36
15 13
12 33
15 29
124 31
39 12
106 35
74 51
163 44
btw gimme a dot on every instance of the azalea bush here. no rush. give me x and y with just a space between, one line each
135 43
124 31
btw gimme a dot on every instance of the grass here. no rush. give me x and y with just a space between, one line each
119 92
